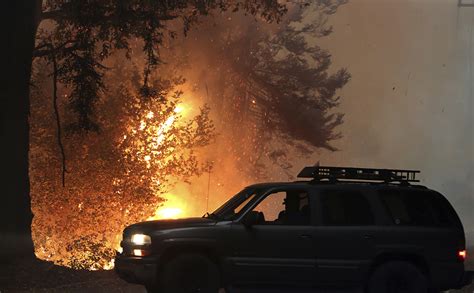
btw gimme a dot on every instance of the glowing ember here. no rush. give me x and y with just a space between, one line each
110 265
150 115
142 125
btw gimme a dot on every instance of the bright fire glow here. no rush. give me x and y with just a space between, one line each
160 134
169 213
173 208
462 254
180 109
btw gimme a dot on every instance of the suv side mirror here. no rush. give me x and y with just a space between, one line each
250 219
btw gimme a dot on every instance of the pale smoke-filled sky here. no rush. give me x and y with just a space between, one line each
409 102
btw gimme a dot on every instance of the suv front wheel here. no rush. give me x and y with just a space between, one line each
189 273
397 277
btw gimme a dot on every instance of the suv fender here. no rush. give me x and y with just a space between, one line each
397 276
203 248
418 261
189 272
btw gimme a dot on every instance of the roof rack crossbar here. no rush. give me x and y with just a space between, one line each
352 173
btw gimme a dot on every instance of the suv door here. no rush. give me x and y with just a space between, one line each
279 249
345 235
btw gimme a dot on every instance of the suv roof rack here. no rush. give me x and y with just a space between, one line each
317 173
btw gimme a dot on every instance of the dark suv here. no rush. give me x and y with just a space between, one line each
370 229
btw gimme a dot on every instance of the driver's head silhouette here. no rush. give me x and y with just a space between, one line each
292 201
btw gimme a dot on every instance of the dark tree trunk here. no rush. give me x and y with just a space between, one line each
15 208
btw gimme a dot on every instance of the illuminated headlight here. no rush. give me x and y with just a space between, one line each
141 239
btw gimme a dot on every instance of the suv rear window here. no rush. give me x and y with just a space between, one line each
418 208
345 208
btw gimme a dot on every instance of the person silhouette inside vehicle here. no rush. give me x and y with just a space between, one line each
292 215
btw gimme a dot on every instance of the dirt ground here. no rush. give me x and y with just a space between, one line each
40 276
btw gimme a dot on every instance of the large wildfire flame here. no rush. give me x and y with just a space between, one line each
155 130
173 207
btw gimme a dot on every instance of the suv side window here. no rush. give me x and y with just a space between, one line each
396 206
417 208
443 211
345 208
289 207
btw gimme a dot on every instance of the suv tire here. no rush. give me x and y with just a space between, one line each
189 273
397 277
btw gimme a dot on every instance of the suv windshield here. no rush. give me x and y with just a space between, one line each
234 206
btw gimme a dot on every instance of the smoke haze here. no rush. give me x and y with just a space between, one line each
409 103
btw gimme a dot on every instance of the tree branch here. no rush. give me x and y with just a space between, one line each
52 14
58 122
40 50
57 15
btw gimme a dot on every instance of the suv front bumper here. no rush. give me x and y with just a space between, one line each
139 270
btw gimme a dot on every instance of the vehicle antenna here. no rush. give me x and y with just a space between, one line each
209 163
209 170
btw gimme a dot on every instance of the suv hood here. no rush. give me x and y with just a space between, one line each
149 226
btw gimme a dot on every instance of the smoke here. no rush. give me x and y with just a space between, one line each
409 104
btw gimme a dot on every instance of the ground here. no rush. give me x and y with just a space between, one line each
41 276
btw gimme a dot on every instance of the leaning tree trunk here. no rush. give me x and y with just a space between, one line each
15 208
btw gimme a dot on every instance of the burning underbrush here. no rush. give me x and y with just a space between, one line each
120 175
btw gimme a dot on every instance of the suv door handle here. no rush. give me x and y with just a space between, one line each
305 236
368 236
